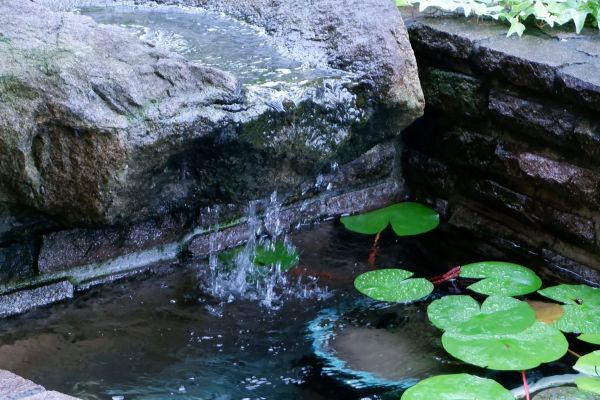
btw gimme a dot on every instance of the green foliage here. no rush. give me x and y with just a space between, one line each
588 384
540 343
501 278
502 334
497 315
392 285
589 365
406 219
457 386
581 309
593 338
517 12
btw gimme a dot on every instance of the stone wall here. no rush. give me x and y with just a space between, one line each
509 147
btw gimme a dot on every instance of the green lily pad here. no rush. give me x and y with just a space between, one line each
457 386
497 315
501 278
593 338
581 309
589 364
406 218
392 285
588 384
540 343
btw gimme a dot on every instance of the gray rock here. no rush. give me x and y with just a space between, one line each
99 127
20 301
13 387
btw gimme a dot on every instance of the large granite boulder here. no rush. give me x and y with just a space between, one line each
98 127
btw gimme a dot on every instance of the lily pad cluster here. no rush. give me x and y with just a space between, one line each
501 333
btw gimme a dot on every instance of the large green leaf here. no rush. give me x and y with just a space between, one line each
588 384
501 278
497 315
392 285
457 387
540 343
589 364
593 338
581 309
406 218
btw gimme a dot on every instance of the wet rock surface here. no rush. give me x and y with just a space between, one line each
13 387
509 142
113 149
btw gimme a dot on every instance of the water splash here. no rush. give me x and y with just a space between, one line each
241 279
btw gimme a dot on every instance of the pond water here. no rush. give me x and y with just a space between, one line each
164 335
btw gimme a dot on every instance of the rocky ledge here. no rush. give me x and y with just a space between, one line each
114 150
509 145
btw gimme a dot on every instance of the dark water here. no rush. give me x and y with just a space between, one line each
161 337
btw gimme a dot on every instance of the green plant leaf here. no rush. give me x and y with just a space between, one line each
588 384
589 364
581 309
406 219
392 285
497 315
593 338
457 387
501 278
450 311
573 294
540 343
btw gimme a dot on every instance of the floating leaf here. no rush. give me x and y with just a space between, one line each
540 343
588 384
581 309
450 311
392 285
406 218
457 386
573 294
546 312
501 278
589 364
593 338
497 315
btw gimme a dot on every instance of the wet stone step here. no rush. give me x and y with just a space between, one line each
13 387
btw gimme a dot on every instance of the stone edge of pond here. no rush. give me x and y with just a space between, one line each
15 387
62 285
509 141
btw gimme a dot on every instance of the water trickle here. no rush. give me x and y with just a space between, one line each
228 279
